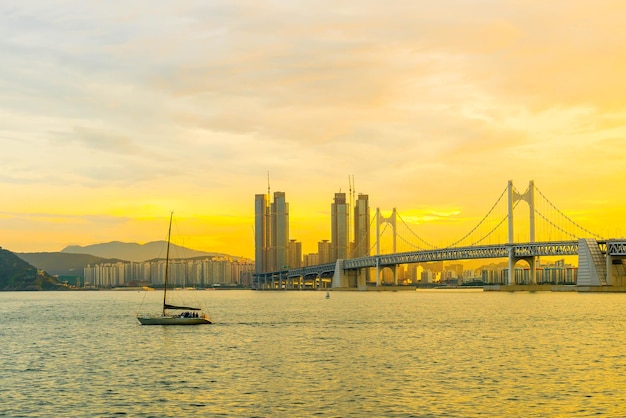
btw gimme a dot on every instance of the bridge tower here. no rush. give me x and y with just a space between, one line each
529 197
390 220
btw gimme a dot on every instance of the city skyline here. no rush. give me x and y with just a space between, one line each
111 117
275 249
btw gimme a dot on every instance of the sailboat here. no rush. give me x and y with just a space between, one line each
173 314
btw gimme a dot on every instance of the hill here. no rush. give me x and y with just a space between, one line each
17 274
130 251
63 264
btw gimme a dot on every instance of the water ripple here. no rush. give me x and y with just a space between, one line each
402 354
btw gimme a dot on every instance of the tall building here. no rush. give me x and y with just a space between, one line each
295 254
261 232
340 228
361 247
271 233
323 252
279 230
311 259
182 272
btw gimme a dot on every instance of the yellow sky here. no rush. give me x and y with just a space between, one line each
111 115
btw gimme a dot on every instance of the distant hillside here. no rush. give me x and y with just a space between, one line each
63 264
17 274
130 251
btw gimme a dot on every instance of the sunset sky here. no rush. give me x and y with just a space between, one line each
113 113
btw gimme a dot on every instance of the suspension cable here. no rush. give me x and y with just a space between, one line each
414 234
410 244
482 220
554 225
358 245
384 229
565 216
376 240
490 232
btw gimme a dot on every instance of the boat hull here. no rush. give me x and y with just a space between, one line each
171 320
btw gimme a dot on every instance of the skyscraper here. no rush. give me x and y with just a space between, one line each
271 232
261 232
279 243
340 212
361 227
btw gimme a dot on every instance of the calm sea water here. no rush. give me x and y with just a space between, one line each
392 354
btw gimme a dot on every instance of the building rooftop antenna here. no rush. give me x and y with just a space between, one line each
351 207
352 189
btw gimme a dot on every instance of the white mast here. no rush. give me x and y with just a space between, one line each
167 260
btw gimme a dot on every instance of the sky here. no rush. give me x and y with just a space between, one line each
113 114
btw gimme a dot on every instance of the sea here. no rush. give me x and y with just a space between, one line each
431 353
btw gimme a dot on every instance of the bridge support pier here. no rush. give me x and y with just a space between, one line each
394 269
532 263
361 278
377 272
340 279
609 270
511 272
592 264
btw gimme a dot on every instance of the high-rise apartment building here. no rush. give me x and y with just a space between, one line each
340 227
295 254
261 232
323 252
361 247
279 243
271 233
311 259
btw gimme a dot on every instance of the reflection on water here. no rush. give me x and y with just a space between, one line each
445 353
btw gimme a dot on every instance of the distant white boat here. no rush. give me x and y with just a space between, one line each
173 314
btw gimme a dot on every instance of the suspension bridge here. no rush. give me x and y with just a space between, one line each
547 231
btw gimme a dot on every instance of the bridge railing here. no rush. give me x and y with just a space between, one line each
616 247
466 253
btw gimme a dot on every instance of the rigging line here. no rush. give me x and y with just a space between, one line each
414 234
483 219
142 302
565 216
556 226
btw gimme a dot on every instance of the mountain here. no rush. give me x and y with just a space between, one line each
17 274
63 264
130 251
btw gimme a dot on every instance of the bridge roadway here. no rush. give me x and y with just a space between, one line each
517 251
529 249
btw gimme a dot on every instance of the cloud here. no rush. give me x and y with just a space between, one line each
428 104
105 140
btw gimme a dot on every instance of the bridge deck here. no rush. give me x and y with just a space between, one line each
613 247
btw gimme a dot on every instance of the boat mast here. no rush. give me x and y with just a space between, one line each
167 260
